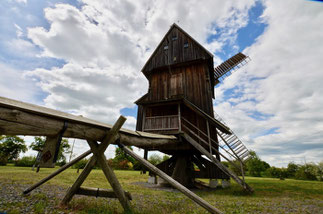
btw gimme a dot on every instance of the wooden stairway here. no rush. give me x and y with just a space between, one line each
232 143
222 167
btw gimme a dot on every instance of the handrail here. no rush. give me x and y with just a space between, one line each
212 148
185 120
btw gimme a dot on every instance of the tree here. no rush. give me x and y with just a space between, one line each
292 169
306 172
39 143
275 172
120 155
11 147
255 165
165 157
154 159
320 170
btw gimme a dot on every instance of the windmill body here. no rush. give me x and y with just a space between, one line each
179 102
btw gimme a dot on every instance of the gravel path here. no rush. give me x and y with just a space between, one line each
41 200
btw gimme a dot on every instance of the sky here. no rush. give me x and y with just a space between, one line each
84 57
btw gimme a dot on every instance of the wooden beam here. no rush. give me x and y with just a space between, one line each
71 163
171 181
109 174
98 155
98 151
79 181
18 122
97 192
218 163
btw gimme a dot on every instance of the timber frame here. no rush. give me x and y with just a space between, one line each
18 118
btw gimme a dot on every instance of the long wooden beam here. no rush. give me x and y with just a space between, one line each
63 168
171 181
98 192
17 118
200 148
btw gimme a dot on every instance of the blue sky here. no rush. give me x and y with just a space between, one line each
85 57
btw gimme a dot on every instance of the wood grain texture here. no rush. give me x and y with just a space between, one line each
172 182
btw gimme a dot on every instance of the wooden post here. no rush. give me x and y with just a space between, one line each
172 182
48 153
86 171
146 158
218 163
179 118
143 118
57 172
98 155
209 136
109 174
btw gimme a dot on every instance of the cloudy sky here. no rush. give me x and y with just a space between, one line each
84 57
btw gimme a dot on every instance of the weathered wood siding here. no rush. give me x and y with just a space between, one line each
175 48
190 81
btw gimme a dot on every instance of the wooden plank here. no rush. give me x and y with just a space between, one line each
11 104
48 153
98 192
172 182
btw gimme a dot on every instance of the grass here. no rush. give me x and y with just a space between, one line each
271 195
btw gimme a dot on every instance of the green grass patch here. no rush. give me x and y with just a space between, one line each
271 195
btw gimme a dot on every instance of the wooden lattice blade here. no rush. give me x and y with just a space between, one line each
229 65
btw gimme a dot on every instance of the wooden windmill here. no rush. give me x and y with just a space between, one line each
179 102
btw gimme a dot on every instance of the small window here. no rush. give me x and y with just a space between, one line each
174 58
174 38
166 47
186 45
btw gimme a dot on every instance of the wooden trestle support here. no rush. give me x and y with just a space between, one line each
117 191
17 118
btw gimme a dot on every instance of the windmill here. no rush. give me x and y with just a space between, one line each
179 102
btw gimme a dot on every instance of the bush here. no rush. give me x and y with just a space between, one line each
292 169
138 166
81 164
234 168
120 164
27 161
275 172
125 164
3 160
306 172
155 159
255 165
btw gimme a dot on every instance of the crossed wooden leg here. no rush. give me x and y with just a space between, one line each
98 156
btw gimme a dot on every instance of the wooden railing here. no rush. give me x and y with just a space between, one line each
203 138
161 123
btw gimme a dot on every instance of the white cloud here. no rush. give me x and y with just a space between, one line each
287 61
14 85
106 44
